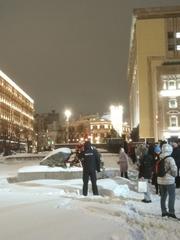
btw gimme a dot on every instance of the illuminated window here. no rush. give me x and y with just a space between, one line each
171 84
178 47
178 35
172 103
173 121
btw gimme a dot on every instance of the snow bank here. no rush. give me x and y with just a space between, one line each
48 169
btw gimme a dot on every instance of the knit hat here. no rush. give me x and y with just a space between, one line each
157 149
166 149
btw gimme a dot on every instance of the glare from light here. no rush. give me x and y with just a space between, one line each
116 113
68 114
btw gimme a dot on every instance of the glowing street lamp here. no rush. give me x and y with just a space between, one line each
116 114
67 114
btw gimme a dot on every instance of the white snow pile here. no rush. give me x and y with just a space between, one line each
55 209
40 168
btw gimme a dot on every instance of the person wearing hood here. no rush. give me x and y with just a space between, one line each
167 182
91 163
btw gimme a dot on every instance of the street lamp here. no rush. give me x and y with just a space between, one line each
67 114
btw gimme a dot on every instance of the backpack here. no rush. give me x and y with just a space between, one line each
160 167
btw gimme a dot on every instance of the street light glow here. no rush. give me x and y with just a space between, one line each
68 114
116 113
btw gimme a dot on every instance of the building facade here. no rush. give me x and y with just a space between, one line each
154 73
95 128
16 116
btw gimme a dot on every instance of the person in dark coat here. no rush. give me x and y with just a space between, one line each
91 163
176 156
156 158
145 171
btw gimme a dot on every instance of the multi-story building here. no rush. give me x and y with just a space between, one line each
96 128
100 130
154 72
16 116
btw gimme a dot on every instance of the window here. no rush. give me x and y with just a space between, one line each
178 35
171 84
178 47
171 44
172 103
173 121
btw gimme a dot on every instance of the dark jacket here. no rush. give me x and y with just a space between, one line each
176 156
146 166
90 159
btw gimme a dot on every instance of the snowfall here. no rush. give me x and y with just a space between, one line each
55 209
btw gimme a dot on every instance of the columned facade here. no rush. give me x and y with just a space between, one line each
154 72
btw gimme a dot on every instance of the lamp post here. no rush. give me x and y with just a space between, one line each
67 114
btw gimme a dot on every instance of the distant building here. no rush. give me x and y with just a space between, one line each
154 72
94 127
16 116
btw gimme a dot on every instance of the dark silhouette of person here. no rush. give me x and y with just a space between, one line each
90 159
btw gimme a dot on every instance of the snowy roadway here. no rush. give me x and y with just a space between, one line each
55 209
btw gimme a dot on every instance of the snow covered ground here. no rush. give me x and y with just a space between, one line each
55 209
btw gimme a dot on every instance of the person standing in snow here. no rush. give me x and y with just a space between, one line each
167 182
145 171
176 156
123 163
157 151
91 163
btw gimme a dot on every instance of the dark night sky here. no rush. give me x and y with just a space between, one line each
69 53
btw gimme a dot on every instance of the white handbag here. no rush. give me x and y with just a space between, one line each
142 186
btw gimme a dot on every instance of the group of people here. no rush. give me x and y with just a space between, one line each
148 158
168 157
